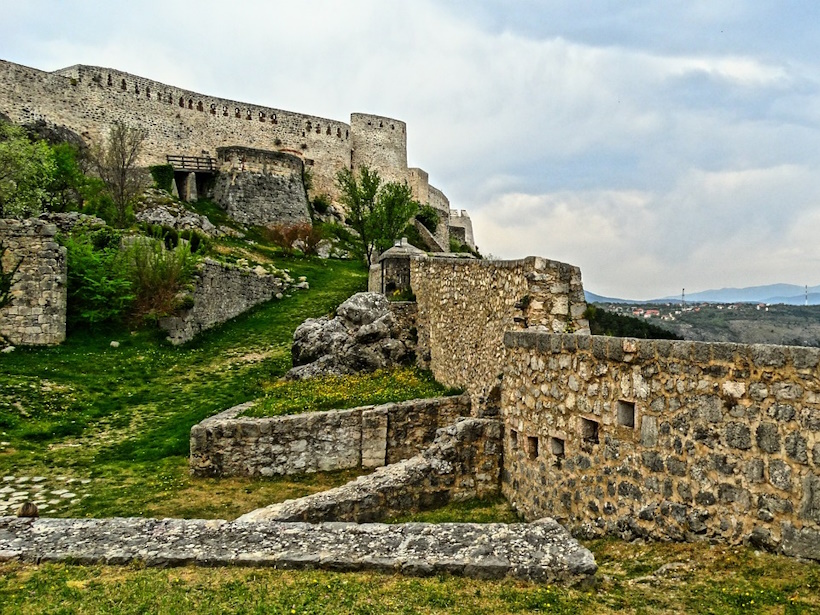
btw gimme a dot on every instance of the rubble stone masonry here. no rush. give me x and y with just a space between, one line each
37 312
466 305
664 439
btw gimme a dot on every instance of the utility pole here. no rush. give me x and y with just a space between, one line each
683 298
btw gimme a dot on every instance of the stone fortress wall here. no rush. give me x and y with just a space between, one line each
37 312
665 439
87 99
465 306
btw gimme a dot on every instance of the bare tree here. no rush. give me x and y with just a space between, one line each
116 163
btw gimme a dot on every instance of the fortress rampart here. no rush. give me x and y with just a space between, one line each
665 439
466 305
88 99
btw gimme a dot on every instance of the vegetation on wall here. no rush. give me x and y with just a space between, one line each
163 176
428 216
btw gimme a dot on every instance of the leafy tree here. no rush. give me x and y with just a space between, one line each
116 163
26 170
377 212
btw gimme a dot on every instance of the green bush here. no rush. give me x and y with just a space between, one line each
428 216
163 176
159 277
99 287
321 204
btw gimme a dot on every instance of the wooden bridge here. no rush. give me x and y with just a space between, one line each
193 164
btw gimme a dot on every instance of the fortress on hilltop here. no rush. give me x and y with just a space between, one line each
88 99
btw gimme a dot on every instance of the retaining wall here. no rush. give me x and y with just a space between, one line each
221 292
37 312
664 439
368 437
464 462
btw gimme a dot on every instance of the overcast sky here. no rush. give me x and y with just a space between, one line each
657 145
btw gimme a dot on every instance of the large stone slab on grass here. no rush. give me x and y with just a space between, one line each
542 551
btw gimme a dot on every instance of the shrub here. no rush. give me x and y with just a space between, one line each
159 276
290 236
321 203
99 287
428 216
163 176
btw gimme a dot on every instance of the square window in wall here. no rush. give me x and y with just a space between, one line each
557 447
589 430
532 447
625 411
513 439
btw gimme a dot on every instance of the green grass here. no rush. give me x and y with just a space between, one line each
701 579
338 392
121 417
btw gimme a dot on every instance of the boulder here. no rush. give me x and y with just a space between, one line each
361 337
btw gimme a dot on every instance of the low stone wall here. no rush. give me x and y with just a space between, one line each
466 305
668 440
221 292
369 436
37 312
463 463
541 552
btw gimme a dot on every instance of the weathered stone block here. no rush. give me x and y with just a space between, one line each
768 438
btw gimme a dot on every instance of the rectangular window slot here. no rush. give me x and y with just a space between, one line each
532 447
514 439
557 447
626 413
589 431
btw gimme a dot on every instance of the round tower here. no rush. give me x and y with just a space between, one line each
379 143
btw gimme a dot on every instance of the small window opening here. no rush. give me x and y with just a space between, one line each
190 104
532 447
557 447
274 119
236 112
199 106
123 87
109 80
213 109
589 431
328 129
181 102
626 413
513 439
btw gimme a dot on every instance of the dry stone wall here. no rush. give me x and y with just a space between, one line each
466 305
663 439
463 463
221 292
229 444
36 314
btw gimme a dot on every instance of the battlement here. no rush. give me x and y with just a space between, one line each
179 122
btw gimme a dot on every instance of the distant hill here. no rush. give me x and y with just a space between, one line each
593 298
791 294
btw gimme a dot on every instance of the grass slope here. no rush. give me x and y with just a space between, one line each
111 425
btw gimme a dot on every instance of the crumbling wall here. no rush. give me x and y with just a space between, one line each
37 312
466 305
369 436
665 439
463 463
221 292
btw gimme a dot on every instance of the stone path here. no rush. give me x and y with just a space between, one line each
542 551
52 495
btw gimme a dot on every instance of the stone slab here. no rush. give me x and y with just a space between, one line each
542 551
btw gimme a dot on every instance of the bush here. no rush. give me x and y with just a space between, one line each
288 237
159 276
321 204
99 287
428 216
163 176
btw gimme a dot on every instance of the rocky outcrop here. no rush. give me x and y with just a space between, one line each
363 337
177 217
